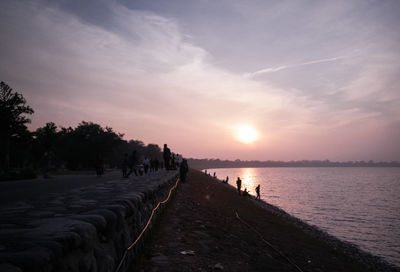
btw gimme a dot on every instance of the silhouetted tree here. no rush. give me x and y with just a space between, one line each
153 151
12 120
46 136
80 147
45 141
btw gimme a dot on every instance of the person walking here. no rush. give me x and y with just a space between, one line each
239 184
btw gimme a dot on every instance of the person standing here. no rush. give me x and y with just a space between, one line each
172 165
132 163
239 184
258 192
146 165
167 157
124 166
99 165
45 164
183 169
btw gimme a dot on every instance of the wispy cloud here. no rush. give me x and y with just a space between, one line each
280 68
145 76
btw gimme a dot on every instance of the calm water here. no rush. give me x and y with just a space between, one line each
359 205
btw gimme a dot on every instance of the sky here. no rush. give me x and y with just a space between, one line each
308 79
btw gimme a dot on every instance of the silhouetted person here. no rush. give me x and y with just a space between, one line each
132 163
156 164
205 171
183 169
172 165
124 166
215 175
239 184
166 157
226 180
45 164
141 170
245 192
152 165
258 192
146 165
99 165
179 160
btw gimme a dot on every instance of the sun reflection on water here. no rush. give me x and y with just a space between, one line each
249 180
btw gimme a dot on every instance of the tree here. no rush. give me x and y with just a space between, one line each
46 137
80 147
12 119
153 151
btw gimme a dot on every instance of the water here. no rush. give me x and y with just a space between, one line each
358 205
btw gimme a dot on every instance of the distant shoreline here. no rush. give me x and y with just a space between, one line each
201 164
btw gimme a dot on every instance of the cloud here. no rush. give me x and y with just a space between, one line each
145 69
145 76
280 68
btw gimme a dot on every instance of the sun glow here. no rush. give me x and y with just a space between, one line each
246 134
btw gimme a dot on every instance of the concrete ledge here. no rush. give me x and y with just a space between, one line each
87 229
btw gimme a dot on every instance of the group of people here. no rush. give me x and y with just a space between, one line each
245 192
130 164
171 161
238 185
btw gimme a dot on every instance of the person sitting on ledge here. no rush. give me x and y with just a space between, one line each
226 180
245 192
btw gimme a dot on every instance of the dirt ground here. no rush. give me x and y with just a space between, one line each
199 231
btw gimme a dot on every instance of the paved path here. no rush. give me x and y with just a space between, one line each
42 198
40 188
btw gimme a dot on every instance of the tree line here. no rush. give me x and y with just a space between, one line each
217 163
71 148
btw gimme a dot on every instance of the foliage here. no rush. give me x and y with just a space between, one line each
72 148
12 120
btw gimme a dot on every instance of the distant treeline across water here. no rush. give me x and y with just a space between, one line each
217 163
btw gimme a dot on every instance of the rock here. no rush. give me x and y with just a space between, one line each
187 252
9 268
160 260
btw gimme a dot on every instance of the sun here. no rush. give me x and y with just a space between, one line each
246 134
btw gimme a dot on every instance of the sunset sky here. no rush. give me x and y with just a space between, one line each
307 79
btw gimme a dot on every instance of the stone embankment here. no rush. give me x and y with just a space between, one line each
85 229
